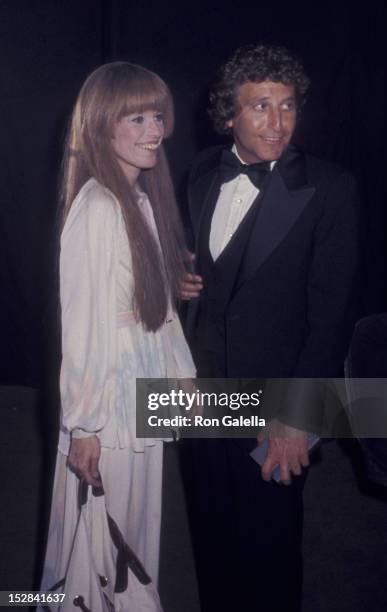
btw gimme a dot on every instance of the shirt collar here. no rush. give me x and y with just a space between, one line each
234 150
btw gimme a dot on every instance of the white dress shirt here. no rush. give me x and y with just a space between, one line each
235 198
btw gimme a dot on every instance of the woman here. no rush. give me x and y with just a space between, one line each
121 264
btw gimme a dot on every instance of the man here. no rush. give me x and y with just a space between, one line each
276 254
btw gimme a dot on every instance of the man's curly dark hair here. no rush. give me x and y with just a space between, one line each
254 63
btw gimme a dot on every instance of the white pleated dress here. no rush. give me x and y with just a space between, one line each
104 350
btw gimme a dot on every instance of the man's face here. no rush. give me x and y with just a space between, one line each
264 121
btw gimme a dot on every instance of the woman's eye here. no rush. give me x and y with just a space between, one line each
137 119
159 117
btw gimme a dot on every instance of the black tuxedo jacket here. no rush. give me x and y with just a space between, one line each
277 302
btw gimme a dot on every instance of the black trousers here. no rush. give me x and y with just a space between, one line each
246 532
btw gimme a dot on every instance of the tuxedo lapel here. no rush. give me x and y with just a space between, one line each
203 198
203 194
204 223
229 262
286 196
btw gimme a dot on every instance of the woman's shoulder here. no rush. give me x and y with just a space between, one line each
94 204
95 196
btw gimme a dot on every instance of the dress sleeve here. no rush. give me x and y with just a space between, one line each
88 269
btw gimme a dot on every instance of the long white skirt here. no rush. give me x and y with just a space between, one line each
79 547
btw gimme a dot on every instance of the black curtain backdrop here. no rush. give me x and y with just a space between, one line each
48 48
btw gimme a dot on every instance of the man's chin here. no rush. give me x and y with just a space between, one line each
271 154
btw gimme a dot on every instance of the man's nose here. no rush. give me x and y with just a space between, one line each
275 119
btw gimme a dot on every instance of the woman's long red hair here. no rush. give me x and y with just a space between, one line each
111 92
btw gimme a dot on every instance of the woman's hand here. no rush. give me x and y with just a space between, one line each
83 459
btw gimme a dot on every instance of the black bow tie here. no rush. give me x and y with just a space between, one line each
230 167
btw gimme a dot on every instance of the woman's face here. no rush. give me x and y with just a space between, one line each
136 139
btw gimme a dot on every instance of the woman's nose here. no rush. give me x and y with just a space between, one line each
156 128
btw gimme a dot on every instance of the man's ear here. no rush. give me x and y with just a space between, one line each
230 124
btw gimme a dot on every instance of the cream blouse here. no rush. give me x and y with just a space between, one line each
104 347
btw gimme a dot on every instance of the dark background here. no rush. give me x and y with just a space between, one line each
49 46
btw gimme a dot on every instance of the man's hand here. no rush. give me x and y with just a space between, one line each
192 284
287 449
83 459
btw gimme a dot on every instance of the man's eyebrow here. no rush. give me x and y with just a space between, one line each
260 99
265 98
